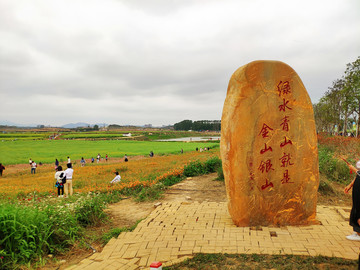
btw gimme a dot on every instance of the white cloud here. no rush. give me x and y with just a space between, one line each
159 62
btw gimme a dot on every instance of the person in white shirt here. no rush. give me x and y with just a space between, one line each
69 175
33 167
116 179
69 161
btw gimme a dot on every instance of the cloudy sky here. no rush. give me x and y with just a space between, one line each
161 61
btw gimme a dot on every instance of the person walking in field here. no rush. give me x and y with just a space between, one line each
69 160
82 161
68 185
30 161
106 157
116 179
33 167
59 175
98 158
355 210
2 168
126 158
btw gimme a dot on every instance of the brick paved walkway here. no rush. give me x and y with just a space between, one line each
176 231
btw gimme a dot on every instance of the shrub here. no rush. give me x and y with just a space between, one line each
212 164
64 225
172 180
333 169
150 193
26 233
220 174
194 168
325 188
198 168
90 210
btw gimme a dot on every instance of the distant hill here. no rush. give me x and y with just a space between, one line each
76 125
8 123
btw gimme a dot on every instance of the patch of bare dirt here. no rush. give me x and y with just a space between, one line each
201 188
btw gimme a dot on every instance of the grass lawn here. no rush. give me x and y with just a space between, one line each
45 151
258 261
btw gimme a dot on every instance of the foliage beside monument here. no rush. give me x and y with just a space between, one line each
339 108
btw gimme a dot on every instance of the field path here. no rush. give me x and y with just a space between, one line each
201 188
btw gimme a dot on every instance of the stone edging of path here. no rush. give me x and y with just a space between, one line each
176 231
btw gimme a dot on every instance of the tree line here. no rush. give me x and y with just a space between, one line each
211 125
338 111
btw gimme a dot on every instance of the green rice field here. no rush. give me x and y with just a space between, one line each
45 151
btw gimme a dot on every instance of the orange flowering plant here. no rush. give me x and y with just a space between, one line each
137 173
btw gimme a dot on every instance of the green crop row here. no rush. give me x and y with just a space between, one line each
91 136
23 136
19 152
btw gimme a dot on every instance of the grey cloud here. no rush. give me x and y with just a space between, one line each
117 61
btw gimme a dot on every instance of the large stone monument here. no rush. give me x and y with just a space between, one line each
269 147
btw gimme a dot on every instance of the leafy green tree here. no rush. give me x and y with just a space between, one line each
201 125
183 125
328 112
341 103
352 87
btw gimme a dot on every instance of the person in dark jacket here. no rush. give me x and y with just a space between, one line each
2 168
355 210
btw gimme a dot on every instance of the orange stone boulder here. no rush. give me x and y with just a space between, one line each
269 147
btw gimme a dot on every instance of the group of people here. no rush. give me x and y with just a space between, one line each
33 166
64 180
203 149
98 159
83 161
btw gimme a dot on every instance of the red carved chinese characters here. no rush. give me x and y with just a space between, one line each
262 151
284 106
285 123
283 88
265 166
267 184
285 160
286 179
265 131
285 142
